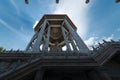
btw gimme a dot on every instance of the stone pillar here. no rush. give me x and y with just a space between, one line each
30 43
45 48
36 47
73 45
82 47
65 39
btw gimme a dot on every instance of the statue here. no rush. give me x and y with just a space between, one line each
26 1
57 1
87 1
117 1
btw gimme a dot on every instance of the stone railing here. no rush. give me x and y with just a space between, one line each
103 46
25 55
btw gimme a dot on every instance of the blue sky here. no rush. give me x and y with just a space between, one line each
95 21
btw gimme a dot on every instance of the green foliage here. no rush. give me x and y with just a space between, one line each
1 49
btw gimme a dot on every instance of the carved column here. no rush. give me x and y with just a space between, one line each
45 48
30 43
65 39
82 47
36 47
73 45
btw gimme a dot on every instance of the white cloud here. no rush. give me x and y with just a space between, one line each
76 10
22 36
34 25
92 41
109 38
15 6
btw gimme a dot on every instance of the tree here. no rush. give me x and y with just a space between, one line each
1 49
